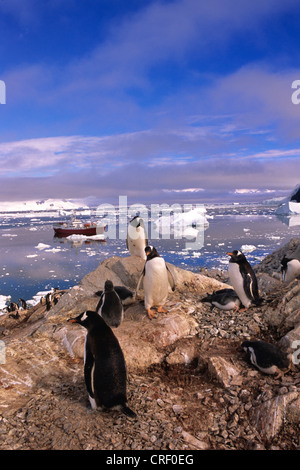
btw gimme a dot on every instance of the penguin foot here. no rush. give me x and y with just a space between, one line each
160 309
151 314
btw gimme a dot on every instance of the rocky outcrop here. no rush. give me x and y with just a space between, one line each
188 379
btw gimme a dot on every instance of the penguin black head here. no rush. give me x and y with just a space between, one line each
236 256
86 319
151 252
108 286
137 221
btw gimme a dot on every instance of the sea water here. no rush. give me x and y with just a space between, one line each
33 261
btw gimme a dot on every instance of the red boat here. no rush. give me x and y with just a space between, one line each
76 227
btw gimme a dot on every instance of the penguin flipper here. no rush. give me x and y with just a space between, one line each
171 278
100 303
88 367
128 411
250 286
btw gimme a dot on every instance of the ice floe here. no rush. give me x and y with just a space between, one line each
248 248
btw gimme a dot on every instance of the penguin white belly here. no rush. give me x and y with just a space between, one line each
155 283
229 306
237 282
292 271
137 242
267 370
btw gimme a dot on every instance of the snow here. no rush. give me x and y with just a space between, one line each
42 205
3 300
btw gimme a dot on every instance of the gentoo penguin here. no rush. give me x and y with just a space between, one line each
243 279
126 295
224 299
137 237
104 364
157 278
267 357
110 307
290 266
12 307
23 304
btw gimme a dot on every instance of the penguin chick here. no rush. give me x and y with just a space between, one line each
126 295
157 278
223 299
110 307
105 371
243 279
267 357
137 237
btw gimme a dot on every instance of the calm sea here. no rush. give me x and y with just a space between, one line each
34 261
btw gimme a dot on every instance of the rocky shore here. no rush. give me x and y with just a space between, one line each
188 380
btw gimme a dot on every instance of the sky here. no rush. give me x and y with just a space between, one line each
156 100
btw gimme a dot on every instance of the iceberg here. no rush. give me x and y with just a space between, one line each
183 224
292 203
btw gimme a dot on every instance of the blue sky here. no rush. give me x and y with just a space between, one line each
177 100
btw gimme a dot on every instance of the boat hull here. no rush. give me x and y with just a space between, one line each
66 232
89 230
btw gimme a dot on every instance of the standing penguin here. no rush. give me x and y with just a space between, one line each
110 306
243 279
223 299
157 278
290 266
137 237
266 357
104 364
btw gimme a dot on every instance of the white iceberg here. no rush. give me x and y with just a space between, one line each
248 248
291 205
182 224
42 246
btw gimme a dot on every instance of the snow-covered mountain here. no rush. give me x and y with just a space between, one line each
43 205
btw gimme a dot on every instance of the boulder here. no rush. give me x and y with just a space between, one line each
269 417
137 333
223 371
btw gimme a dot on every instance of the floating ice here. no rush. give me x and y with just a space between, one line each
182 224
248 248
42 246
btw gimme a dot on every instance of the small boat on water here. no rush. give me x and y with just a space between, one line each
77 227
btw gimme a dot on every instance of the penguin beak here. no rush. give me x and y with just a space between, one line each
230 254
72 320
